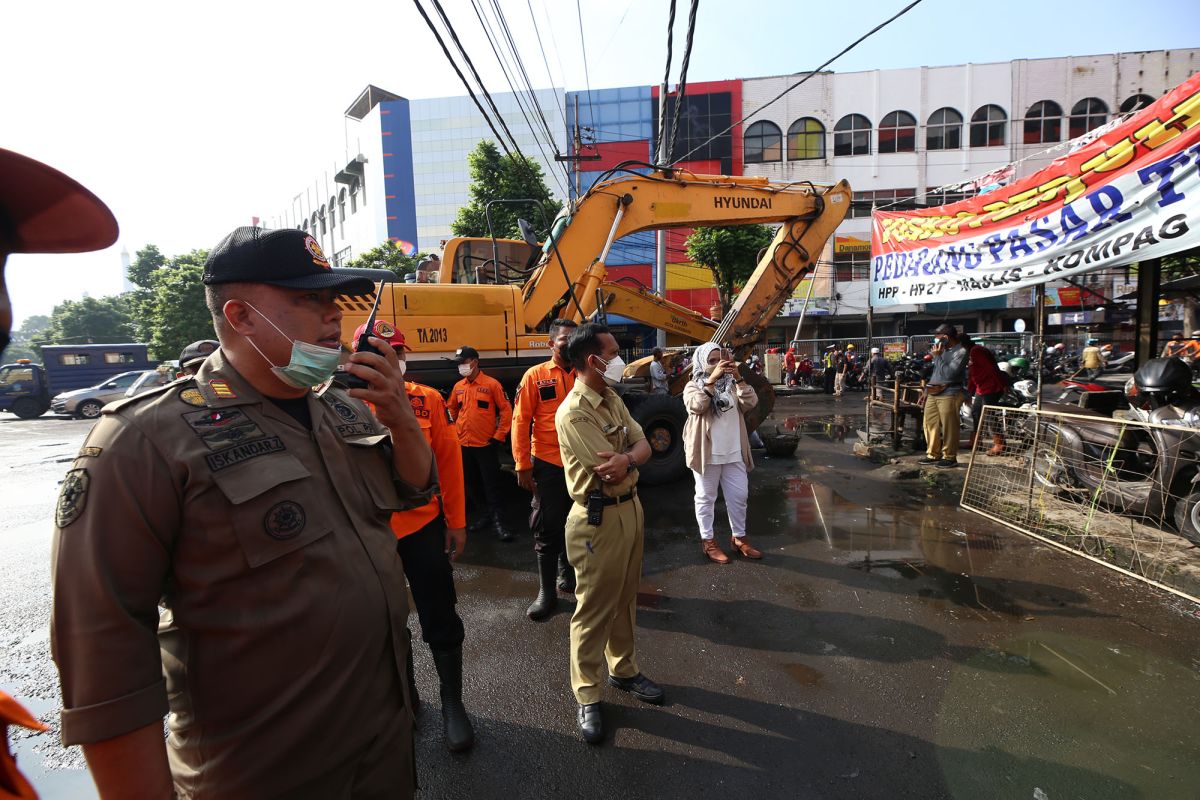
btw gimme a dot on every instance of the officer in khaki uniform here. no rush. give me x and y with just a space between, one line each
601 446
256 512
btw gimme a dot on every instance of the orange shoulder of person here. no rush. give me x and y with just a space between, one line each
430 411
543 389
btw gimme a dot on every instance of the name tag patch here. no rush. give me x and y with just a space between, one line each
230 456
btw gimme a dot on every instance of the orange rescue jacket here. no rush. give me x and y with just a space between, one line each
430 411
542 390
481 410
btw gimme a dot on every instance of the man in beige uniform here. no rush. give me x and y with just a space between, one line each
256 512
601 447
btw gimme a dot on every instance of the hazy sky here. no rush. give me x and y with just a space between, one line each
190 118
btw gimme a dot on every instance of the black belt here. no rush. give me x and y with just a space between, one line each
612 501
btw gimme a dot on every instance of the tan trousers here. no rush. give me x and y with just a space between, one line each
608 569
941 425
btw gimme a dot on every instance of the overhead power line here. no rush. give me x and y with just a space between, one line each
463 78
586 76
803 80
681 91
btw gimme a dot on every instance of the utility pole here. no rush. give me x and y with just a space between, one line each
660 236
575 156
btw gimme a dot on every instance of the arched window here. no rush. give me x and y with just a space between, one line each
987 126
1088 114
944 130
1043 123
898 133
321 217
1136 103
852 136
763 143
333 213
313 230
806 139
353 197
342 205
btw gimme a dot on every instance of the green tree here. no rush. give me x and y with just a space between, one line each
145 262
22 345
500 177
730 253
167 304
387 256
88 321
179 313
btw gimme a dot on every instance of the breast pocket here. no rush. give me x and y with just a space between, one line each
484 404
547 392
274 511
372 458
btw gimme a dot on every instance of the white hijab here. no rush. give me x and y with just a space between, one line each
724 386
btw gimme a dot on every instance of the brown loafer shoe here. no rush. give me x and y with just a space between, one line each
745 548
714 551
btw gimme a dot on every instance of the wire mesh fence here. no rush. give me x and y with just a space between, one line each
1121 492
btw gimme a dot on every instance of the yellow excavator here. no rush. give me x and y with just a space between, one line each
499 296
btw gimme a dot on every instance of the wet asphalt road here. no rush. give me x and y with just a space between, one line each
888 646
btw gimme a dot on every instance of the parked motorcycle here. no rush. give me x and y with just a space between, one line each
1152 473
1121 362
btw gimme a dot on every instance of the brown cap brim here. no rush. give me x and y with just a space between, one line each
48 212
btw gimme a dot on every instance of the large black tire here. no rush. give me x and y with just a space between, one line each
766 399
1187 516
89 409
29 408
661 417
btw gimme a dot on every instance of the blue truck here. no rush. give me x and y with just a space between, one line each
27 389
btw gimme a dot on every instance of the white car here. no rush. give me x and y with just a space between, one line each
151 379
86 403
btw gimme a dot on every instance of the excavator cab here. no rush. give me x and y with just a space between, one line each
474 261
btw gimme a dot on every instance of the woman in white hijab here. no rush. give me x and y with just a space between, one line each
717 446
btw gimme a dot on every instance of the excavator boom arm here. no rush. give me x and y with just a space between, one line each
573 265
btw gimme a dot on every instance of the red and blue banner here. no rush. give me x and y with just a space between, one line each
1131 194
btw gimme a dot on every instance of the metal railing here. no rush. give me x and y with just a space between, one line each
1121 494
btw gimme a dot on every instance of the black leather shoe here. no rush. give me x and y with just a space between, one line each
640 687
928 460
947 463
502 531
591 725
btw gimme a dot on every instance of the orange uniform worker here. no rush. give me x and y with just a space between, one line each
428 538
482 416
540 467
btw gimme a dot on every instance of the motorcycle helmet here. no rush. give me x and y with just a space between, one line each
1020 362
1004 367
849 347
1164 380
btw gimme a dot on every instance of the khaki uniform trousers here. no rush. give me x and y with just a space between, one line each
942 425
608 569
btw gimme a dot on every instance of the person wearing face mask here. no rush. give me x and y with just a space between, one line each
943 395
540 468
42 210
601 447
482 416
717 446
428 539
257 513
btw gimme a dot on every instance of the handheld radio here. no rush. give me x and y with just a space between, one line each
347 379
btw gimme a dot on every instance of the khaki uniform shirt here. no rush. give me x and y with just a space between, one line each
282 640
587 423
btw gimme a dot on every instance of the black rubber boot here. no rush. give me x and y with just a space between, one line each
566 575
460 735
412 686
502 531
543 606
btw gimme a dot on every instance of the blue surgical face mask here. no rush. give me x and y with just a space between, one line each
310 364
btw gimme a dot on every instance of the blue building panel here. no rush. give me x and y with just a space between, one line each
400 197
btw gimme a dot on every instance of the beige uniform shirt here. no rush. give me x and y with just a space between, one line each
588 423
282 638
